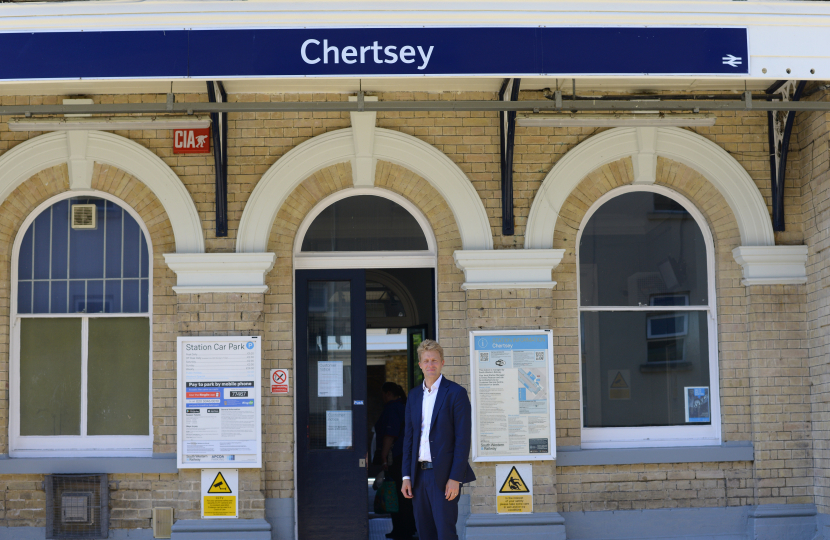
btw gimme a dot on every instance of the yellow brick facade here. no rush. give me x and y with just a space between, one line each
772 340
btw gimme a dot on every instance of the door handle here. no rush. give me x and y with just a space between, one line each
361 462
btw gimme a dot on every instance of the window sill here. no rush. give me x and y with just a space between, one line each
158 464
571 456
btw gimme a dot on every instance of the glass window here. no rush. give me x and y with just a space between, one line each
84 366
365 223
67 270
644 315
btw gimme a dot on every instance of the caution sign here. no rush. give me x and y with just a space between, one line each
618 384
219 485
514 484
219 493
279 381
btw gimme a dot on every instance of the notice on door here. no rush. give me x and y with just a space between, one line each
220 488
219 401
330 379
512 395
339 429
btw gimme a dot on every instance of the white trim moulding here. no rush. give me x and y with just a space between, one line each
508 268
772 265
198 273
110 123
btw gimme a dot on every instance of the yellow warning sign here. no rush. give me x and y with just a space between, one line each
219 485
514 483
219 506
619 382
618 387
514 504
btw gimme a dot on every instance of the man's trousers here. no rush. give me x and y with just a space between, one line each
434 514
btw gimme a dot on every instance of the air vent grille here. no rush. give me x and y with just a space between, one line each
77 506
84 216
162 522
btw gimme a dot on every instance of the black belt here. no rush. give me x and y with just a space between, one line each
425 464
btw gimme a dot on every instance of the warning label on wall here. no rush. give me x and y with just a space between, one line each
219 493
514 485
223 506
619 384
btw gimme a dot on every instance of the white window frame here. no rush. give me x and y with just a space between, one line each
658 436
310 260
74 445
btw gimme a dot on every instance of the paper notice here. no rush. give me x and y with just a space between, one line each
330 379
338 428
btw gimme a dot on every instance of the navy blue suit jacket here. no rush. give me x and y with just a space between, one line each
450 434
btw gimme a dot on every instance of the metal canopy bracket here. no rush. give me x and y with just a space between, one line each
219 126
779 128
507 133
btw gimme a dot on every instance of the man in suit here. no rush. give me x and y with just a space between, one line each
436 445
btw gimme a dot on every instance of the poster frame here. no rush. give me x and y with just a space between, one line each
551 454
181 402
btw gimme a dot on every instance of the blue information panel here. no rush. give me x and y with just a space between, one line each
324 52
511 378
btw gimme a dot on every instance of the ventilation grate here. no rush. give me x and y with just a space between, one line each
84 216
162 522
77 506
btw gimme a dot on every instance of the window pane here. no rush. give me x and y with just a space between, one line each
638 367
329 365
50 377
642 249
50 248
364 223
118 391
86 246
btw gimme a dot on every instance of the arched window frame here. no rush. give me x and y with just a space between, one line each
305 260
73 445
662 436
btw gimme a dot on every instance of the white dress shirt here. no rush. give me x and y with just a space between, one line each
427 405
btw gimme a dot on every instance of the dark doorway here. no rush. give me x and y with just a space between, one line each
346 351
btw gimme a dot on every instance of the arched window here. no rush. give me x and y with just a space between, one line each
648 339
81 322
365 228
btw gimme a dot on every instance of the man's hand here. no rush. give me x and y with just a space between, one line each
453 487
406 489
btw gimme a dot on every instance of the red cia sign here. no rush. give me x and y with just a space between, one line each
191 141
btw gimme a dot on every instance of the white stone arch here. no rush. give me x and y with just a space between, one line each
643 145
80 149
362 145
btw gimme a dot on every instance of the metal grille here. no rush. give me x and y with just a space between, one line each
77 506
83 216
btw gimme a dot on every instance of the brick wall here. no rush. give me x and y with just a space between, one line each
773 375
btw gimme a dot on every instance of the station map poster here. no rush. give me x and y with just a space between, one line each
219 402
511 375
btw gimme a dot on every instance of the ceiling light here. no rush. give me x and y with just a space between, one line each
109 123
614 120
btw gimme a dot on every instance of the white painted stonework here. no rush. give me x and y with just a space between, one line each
772 265
508 268
80 149
198 273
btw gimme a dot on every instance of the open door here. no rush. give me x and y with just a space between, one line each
330 396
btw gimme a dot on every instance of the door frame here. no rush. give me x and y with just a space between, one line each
391 262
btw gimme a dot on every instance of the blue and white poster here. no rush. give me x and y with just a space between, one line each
697 404
512 395
219 402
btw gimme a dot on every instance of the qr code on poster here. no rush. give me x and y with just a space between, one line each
540 356
483 357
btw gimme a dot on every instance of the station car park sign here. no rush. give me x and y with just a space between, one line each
400 52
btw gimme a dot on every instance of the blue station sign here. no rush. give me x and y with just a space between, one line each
355 52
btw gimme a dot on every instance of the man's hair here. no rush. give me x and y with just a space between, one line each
430 345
